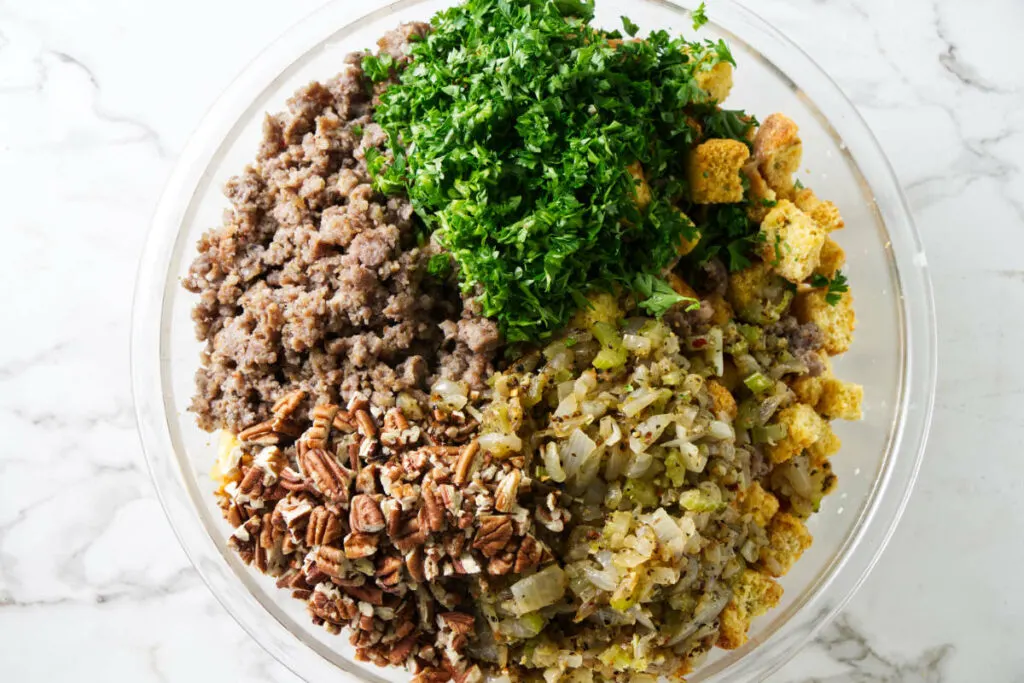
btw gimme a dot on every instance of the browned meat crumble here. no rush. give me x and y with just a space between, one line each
316 282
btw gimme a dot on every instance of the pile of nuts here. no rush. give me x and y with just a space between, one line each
385 525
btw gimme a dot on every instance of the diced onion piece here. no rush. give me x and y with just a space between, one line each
501 444
641 398
552 463
449 394
721 431
648 431
544 588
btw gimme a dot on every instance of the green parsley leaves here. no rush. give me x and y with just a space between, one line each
656 296
378 68
834 288
699 16
511 131
629 27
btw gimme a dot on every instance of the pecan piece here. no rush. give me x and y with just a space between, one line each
401 650
374 596
409 535
389 571
262 433
414 563
360 545
287 404
507 493
501 565
323 528
365 516
493 535
323 419
433 507
529 555
331 561
465 463
458 622
330 479
335 610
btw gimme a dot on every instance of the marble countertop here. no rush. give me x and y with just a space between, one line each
98 96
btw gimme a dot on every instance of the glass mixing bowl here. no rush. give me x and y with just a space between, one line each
893 355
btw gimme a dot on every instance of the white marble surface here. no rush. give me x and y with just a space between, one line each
98 96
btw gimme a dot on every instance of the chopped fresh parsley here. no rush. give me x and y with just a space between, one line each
630 28
656 296
726 233
700 16
797 184
511 131
440 266
834 288
378 67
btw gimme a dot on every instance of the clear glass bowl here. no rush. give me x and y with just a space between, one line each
893 355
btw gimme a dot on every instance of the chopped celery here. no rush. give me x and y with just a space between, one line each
768 434
758 383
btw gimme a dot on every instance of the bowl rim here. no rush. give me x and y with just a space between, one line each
907 261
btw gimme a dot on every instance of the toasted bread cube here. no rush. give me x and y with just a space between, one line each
831 258
824 213
642 189
722 398
721 310
681 287
840 400
757 294
713 171
836 322
716 81
792 242
803 428
752 595
762 198
788 538
759 504
825 447
778 150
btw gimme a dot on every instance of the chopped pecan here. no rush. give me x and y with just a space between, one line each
433 508
331 561
262 433
365 515
389 571
287 404
507 493
366 480
323 420
364 421
501 564
552 516
432 676
458 622
360 545
343 422
409 535
293 481
392 510
464 466
454 544
472 674
324 527
330 478
394 420
334 608
529 554
493 535
401 650
370 594
414 563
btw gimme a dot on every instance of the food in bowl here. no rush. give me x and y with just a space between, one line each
519 344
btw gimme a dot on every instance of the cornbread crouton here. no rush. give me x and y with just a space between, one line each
681 287
643 190
687 245
825 447
762 198
721 310
713 171
803 428
716 81
831 258
722 398
759 504
840 400
836 322
792 242
757 294
824 213
752 595
788 538
778 150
